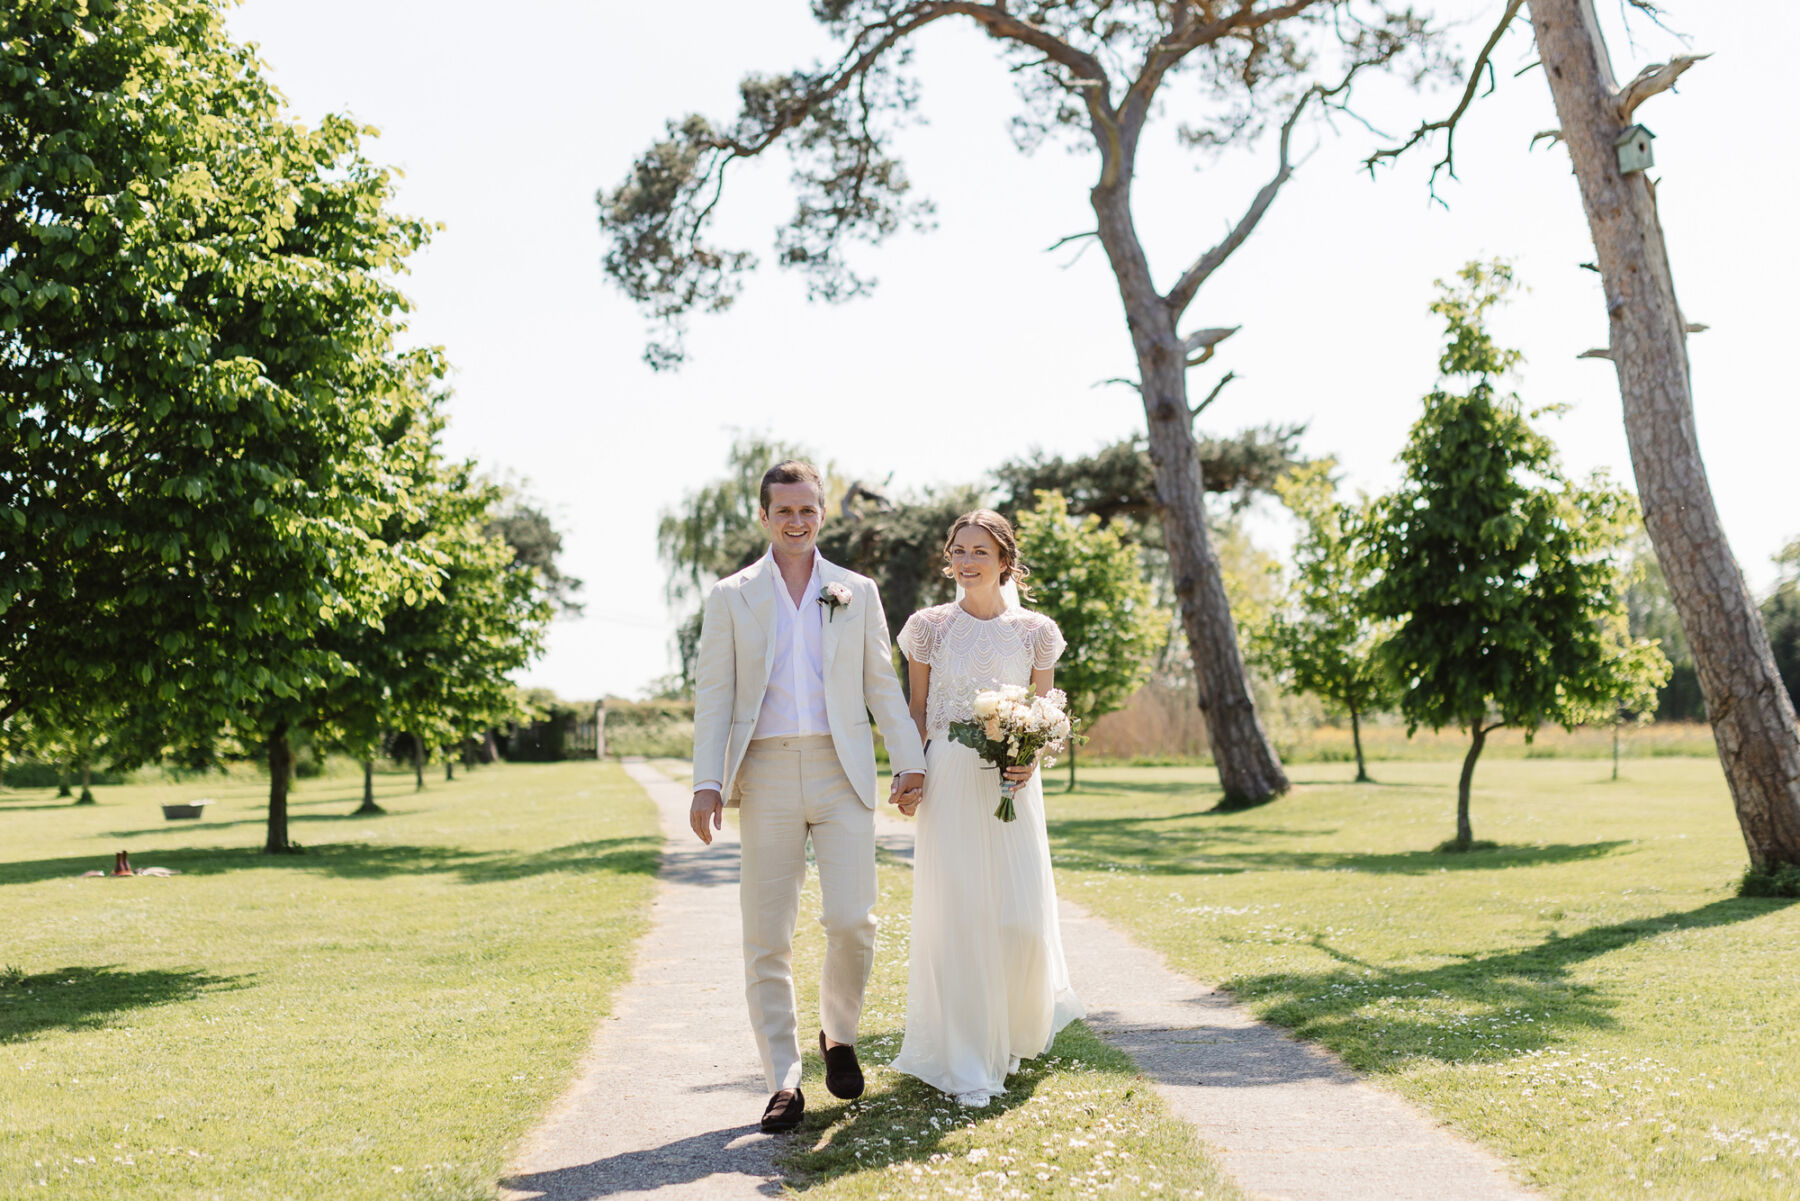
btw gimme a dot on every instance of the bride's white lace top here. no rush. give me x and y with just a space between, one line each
968 654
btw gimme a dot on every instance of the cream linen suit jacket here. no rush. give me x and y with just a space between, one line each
737 651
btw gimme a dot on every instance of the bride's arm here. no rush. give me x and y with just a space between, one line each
918 687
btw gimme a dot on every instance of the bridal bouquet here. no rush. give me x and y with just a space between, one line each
1010 729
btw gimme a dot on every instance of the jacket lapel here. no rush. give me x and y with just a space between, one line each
830 573
759 594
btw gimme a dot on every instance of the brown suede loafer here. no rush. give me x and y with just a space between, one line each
785 1110
843 1075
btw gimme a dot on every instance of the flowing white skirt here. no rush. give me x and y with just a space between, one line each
988 984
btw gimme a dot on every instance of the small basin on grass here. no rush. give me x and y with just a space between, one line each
187 809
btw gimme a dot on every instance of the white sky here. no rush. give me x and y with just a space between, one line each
978 346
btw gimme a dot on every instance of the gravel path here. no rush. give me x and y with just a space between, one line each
667 1098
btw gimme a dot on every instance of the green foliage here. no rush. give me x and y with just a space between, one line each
1504 576
1323 641
520 521
1652 616
1119 481
1087 580
1781 617
655 728
199 367
1782 880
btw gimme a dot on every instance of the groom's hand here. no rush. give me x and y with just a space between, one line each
908 790
708 808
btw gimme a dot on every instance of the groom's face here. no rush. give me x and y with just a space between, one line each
793 518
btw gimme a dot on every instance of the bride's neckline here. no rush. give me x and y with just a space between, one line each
973 617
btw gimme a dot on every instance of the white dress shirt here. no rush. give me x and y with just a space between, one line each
794 701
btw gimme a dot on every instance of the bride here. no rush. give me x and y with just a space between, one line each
988 985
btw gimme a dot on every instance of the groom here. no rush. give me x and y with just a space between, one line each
794 656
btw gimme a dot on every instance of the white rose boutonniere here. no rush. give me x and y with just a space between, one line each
834 597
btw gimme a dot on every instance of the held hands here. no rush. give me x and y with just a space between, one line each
708 804
908 790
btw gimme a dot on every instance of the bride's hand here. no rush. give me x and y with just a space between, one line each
1022 773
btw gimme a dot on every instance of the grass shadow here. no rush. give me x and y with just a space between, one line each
1147 845
81 998
294 819
897 1125
1336 1006
364 861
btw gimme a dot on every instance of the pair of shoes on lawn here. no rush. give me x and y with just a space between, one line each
843 1076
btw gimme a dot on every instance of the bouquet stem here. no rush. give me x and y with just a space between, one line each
1006 812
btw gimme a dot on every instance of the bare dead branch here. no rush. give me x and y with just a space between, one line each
1206 339
1119 379
1651 80
1219 387
1483 66
1555 136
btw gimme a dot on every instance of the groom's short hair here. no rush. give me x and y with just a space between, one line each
791 471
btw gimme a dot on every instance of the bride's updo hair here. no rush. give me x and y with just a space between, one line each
1000 530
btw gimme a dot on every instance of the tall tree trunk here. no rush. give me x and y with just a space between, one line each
281 771
418 756
1249 769
1362 772
449 765
1615 750
1071 765
1752 716
1465 832
87 784
62 781
368 798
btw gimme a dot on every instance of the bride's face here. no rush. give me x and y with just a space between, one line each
975 560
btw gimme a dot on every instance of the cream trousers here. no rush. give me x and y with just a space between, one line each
795 789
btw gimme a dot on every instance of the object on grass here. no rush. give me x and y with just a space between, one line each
188 809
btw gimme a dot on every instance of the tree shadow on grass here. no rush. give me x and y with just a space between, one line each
1350 1006
903 1111
1150 846
260 822
362 861
83 998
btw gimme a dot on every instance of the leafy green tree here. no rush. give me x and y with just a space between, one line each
1504 578
199 321
1086 578
438 664
1323 641
520 520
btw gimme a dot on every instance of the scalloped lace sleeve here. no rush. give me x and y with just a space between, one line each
918 637
1047 643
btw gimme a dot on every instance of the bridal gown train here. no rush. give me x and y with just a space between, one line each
988 985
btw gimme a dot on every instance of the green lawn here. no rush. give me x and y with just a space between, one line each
1591 999
381 1017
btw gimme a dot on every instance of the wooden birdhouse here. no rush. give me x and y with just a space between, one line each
1634 149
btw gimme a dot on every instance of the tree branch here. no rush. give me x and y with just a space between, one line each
1483 64
1182 294
1219 387
1651 80
1188 35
